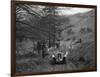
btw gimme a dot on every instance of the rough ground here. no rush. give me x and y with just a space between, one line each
33 63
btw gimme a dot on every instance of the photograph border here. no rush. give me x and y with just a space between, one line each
13 36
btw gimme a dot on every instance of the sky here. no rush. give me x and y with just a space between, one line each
71 11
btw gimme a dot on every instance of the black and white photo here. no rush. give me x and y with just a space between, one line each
54 38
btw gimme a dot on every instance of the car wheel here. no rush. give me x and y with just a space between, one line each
53 61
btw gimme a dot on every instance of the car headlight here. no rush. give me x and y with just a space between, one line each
53 55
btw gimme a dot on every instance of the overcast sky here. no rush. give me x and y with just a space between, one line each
70 10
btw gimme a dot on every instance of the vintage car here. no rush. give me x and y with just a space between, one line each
57 56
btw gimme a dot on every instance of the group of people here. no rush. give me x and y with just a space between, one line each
42 46
45 46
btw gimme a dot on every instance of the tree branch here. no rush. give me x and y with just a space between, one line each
33 27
